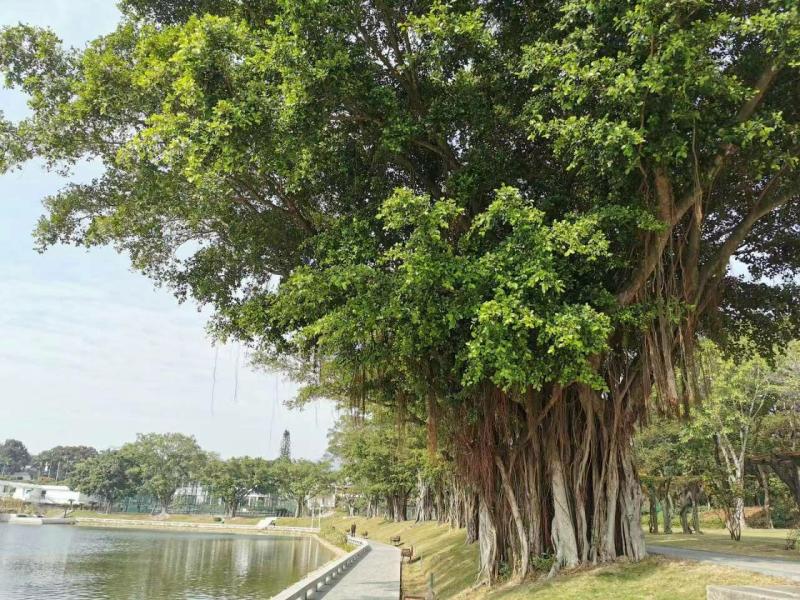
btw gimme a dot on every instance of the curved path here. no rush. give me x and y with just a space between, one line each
788 569
374 577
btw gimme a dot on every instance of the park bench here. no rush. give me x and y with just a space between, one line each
407 553
395 539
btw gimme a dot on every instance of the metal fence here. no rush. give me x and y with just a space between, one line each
189 505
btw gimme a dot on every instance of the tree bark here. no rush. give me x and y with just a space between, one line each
522 534
653 510
763 478
487 544
562 529
471 514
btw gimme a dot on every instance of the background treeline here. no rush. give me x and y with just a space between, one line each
158 465
738 446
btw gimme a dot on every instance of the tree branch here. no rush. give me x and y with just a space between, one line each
764 204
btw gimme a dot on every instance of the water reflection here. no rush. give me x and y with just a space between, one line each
62 562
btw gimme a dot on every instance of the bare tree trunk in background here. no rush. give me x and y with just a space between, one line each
668 505
763 478
653 509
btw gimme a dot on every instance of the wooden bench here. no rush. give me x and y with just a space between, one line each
407 553
395 539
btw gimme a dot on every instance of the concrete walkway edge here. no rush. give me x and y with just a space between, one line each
787 569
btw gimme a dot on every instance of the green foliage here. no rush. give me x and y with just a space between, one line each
376 461
334 536
249 141
109 475
301 479
163 462
13 456
233 479
58 462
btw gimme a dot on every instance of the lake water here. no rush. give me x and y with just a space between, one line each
62 562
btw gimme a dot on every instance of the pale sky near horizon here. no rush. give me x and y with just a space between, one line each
90 352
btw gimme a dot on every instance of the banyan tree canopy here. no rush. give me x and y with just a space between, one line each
508 220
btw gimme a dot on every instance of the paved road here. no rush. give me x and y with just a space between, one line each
788 569
374 577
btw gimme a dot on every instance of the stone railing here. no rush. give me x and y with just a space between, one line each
326 575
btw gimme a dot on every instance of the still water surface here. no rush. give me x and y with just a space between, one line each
59 562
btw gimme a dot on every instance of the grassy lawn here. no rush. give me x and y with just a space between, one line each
765 543
652 579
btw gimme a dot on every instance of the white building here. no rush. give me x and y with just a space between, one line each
54 495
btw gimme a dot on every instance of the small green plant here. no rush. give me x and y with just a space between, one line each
504 572
542 563
334 536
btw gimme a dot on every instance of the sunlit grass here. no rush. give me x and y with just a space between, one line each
651 579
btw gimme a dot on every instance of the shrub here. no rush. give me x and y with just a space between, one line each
334 536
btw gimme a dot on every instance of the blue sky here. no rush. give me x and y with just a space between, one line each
90 352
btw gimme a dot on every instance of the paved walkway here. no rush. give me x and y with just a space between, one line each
788 569
374 577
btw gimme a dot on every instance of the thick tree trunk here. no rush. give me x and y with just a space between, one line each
734 515
555 476
522 534
398 507
425 506
631 511
487 544
562 530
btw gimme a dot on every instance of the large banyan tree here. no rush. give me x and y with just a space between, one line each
508 220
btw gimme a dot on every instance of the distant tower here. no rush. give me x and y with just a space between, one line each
286 446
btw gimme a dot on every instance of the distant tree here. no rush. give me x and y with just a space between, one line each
163 462
59 461
301 479
670 461
377 461
14 456
109 475
286 446
737 397
233 479
778 448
